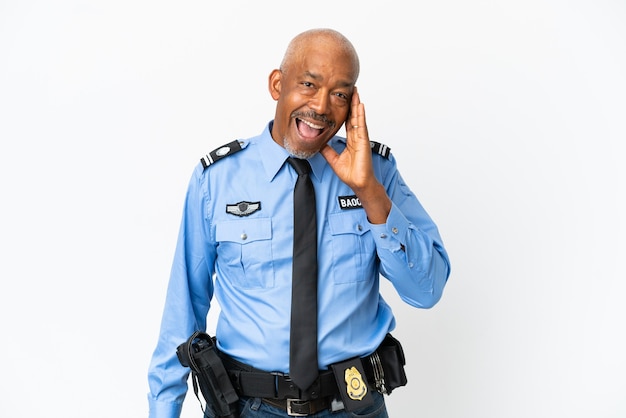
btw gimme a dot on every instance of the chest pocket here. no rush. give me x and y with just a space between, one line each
354 249
244 252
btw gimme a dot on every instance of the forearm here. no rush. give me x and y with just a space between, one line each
375 202
413 259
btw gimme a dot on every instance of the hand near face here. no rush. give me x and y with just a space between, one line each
354 165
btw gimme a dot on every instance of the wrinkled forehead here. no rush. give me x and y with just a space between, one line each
324 63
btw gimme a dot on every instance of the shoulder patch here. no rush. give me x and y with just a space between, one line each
380 149
221 152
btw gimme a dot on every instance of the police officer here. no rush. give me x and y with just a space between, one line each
236 236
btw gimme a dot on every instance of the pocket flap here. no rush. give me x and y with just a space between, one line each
348 223
244 231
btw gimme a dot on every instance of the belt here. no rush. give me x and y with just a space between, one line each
277 389
298 408
255 383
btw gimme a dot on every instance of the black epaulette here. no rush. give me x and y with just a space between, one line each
380 149
221 152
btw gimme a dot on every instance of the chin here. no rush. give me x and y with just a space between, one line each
298 153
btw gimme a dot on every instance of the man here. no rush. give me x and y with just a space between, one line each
236 242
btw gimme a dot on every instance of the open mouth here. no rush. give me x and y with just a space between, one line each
308 129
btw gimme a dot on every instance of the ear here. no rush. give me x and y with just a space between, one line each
274 84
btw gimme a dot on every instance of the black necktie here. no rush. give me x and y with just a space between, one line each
303 368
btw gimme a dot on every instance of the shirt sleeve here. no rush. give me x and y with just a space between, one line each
188 297
411 251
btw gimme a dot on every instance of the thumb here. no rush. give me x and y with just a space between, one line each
329 154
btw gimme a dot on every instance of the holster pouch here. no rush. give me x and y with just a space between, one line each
385 366
207 371
388 365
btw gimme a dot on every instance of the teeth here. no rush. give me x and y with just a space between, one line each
312 125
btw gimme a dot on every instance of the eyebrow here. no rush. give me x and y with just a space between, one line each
312 75
318 77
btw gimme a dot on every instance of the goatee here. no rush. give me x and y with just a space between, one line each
304 155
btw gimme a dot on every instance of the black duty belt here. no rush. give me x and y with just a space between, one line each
278 390
255 383
299 408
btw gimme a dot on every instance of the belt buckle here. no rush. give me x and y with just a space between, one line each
290 411
285 388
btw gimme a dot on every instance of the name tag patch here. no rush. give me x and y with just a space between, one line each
349 202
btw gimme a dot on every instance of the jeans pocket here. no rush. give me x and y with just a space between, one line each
376 410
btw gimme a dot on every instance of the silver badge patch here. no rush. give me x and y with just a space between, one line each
243 208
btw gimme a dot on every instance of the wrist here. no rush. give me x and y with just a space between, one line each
376 203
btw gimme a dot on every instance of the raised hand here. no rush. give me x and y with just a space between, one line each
354 165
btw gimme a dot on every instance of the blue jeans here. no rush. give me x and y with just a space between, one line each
255 408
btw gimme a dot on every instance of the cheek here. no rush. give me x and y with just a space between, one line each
288 104
340 107
340 115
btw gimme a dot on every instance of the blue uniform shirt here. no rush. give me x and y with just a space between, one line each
235 243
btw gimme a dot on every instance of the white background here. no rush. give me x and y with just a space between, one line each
507 118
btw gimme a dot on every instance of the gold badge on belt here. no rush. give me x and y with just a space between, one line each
350 374
356 388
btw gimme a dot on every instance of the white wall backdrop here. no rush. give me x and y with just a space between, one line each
508 119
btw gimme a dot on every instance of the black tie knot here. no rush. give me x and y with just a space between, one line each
301 166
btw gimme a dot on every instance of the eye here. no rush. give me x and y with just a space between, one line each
341 98
307 84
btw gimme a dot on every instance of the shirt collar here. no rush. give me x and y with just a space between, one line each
273 156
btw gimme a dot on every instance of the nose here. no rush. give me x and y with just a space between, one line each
320 102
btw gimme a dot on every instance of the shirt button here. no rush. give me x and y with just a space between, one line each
383 236
359 227
410 265
244 236
394 230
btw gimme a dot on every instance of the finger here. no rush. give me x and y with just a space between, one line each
354 108
357 120
357 115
